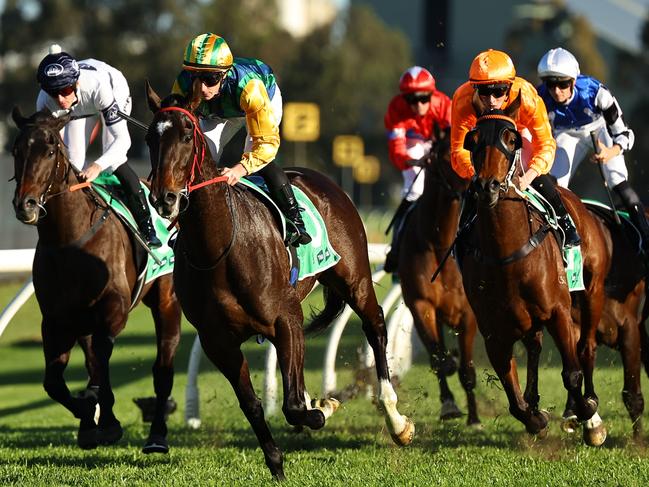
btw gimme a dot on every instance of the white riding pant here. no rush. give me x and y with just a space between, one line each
219 131
575 145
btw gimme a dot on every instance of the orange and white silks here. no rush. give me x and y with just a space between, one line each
532 116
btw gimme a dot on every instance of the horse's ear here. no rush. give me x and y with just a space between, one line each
512 110
152 97
196 97
17 116
61 121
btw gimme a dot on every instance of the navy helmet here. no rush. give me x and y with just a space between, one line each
57 70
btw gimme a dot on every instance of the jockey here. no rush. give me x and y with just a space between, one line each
85 90
493 85
410 121
238 92
578 105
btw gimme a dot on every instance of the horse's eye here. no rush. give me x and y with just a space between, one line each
50 153
187 138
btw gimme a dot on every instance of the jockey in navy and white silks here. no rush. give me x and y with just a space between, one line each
92 92
578 105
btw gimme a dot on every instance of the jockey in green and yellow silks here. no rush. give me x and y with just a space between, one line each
238 92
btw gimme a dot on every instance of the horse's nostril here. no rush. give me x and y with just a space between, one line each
170 198
494 185
30 203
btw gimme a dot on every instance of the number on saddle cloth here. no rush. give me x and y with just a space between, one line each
314 257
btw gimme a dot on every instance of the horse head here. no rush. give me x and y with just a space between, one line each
40 163
177 148
494 145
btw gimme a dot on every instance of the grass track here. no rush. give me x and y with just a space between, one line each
37 436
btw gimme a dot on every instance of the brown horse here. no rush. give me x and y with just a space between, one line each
84 276
516 283
427 237
231 272
622 323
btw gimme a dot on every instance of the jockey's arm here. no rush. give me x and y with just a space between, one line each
117 127
623 137
534 116
464 118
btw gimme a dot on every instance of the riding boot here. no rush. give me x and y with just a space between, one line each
392 257
636 212
140 210
544 185
285 199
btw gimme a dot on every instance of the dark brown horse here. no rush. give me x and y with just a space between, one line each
622 323
84 276
231 272
427 237
516 283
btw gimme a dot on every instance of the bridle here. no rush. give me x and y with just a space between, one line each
198 158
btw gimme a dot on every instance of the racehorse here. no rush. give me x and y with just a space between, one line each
84 276
428 235
622 323
516 283
231 271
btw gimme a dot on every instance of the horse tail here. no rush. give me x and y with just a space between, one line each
334 305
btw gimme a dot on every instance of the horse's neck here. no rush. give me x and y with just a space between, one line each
504 228
68 217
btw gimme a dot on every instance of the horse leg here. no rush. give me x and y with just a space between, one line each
467 374
289 342
425 321
502 360
56 348
227 356
109 429
631 361
533 345
166 313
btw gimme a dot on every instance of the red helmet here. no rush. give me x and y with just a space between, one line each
416 79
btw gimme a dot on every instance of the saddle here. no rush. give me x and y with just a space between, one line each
606 213
305 260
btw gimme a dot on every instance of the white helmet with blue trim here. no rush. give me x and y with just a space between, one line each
558 63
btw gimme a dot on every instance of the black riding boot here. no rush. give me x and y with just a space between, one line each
636 212
137 204
285 199
392 257
546 186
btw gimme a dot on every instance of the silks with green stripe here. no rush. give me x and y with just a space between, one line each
571 256
104 185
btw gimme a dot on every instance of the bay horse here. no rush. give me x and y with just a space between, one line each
231 271
516 283
428 235
622 323
84 276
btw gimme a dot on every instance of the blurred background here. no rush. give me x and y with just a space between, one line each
337 62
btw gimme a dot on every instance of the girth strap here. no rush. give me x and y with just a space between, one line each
534 241
81 241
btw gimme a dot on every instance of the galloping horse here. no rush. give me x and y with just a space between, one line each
427 236
516 283
84 276
622 323
231 271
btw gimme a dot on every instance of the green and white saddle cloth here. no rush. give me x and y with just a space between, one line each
572 257
107 186
314 257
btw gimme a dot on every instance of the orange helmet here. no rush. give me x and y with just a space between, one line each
492 67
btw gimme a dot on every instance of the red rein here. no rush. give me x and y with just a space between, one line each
196 163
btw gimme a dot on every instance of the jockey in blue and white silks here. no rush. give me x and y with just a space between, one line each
578 105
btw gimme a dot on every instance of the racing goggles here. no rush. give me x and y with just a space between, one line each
496 90
562 84
65 91
415 98
208 79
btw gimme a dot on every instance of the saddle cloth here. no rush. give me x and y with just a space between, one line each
108 187
572 257
314 257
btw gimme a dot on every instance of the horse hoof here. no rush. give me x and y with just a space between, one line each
87 439
569 424
327 406
449 410
595 436
156 444
405 437
111 434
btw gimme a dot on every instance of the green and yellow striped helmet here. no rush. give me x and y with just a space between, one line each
207 52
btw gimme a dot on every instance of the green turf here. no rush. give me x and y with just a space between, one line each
37 436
